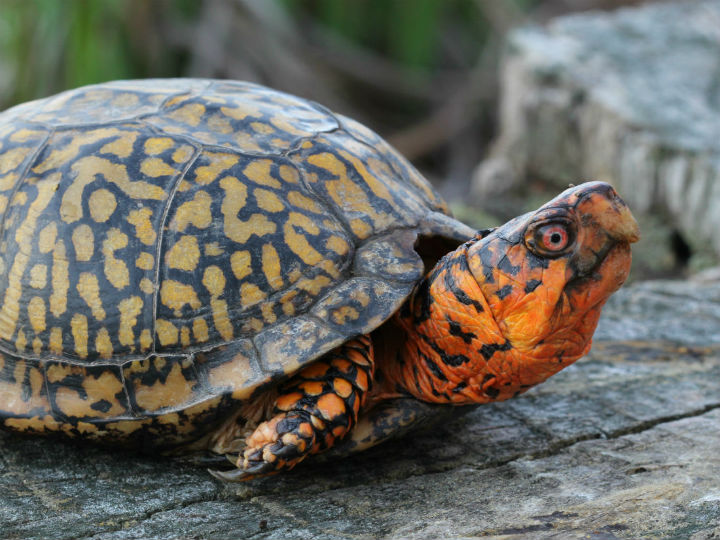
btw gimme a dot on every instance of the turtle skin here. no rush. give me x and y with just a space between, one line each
172 249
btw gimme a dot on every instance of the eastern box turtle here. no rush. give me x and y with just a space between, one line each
214 264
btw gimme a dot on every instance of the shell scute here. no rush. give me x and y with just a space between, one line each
243 234
360 304
86 392
160 383
391 257
287 346
22 381
95 105
358 185
232 369
402 170
80 237
243 116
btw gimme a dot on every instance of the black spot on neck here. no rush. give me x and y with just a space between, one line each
489 349
533 261
432 366
452 360
416 378
451 284
503 292
457 330
532 284
486 258
507 267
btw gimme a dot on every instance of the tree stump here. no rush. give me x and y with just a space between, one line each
630 97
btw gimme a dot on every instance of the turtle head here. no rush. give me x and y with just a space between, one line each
546 275
516 304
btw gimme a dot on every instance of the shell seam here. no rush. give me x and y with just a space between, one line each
328 208
402 177
21 178
161 235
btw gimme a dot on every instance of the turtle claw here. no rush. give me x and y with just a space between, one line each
287 452
235 475
253 464
258 468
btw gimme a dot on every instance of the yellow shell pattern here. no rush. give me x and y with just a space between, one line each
166 247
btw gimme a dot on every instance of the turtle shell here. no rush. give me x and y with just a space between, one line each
170 247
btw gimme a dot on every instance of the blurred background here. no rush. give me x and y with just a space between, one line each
422 73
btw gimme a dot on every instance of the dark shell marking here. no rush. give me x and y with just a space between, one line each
169 246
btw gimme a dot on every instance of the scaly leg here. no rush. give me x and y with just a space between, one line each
314 409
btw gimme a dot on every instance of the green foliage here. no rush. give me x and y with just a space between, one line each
51 45
408 32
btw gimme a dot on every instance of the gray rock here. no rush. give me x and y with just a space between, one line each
623 444
681 312
630 97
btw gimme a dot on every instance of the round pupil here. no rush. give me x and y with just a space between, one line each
554 237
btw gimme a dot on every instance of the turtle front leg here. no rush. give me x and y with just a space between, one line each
314 409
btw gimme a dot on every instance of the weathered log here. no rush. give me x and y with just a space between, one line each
623 444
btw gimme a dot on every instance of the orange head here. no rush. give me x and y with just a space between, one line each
546 275
507 310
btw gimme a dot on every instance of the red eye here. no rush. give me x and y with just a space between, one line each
551 238
554 237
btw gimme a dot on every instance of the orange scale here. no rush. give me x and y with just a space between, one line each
315 370
287 402
305 430
361 380
316 422
357 357
289 439
331 406
342 388
312 388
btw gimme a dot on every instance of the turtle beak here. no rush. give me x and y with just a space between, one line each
609 212
605 224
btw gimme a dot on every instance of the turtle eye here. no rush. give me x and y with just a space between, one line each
554 237
551 239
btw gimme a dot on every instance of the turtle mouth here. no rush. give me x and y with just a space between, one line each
590 261
601 275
